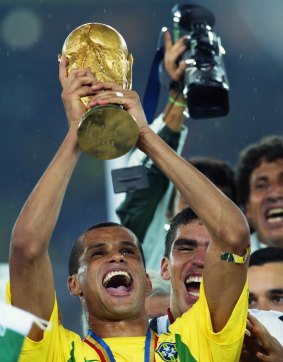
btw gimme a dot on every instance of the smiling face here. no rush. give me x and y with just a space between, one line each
185 265
266 286
264 208
111 280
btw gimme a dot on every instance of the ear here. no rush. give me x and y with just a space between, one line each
148 285
165 268
74 285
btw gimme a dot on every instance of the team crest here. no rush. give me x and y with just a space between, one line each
167 351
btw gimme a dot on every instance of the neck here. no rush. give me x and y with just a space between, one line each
124 328
174 310
170 316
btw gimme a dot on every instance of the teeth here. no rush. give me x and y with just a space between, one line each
193 279
275 212
194 294
114 273
274 219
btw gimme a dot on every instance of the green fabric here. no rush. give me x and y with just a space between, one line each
10 345
137 210
72 354
184 353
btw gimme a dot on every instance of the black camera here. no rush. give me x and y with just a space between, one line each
205 81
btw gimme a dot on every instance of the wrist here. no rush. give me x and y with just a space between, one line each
72 136
144 133
176 91
177 102
176 86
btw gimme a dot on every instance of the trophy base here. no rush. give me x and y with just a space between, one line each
107 132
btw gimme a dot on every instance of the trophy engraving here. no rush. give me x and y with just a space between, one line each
106 131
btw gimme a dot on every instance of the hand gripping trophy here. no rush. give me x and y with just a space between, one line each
106 131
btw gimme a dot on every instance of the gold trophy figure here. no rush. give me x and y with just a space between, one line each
106 131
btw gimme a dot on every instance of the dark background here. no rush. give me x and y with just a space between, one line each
33 122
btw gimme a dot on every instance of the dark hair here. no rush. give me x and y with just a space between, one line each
269 148
266 255
78 247
184 217
218 172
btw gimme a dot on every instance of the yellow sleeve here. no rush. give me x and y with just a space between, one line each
196 334
57 343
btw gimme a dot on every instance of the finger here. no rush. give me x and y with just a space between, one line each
107 97
182 42
263 336
263 357
167 40
63 70
125 99
85 91
79 72
249 324
107 86
78 82
84 72
181 70
258 328
252 319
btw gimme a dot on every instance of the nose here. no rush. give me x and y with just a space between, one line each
117 257
275 191
263 304
199 257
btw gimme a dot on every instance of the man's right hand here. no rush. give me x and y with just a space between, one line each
173 52
76 84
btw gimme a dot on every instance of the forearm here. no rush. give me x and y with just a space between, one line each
218 213
228 229
35 224
174 113
32 285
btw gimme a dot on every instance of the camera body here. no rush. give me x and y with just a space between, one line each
205 81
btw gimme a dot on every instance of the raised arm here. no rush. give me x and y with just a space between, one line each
223 281
32 285
138 209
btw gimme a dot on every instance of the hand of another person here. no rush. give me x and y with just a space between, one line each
260 345
111 93
173 52
76 84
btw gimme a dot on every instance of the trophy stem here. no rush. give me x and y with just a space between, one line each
107 132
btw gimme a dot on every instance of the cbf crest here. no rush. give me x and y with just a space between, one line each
167 351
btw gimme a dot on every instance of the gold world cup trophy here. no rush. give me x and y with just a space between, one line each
106 131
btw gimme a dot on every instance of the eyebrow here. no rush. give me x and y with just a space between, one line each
190 242
104 244
276 291
261 178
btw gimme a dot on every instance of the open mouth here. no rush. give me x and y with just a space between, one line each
117 282
192 284
274 215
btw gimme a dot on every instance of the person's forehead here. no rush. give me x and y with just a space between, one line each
264 168
194 227
272 268
112 235
195 230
